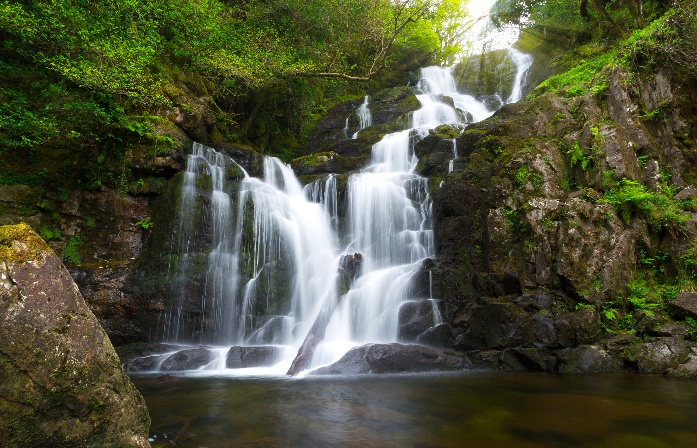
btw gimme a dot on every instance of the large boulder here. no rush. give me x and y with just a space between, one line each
190 359
394 358
685 305
61 382
260 356
662 355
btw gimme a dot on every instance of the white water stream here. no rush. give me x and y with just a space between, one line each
278 252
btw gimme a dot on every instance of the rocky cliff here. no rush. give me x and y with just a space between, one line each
61 382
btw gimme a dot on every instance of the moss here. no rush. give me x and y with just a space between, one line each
71 254
315 160
19 244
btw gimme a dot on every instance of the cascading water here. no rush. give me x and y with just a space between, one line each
365 119
273 261
523 62
222 266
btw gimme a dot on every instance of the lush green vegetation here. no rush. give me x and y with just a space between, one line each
83 81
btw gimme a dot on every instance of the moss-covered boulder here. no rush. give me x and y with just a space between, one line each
61 382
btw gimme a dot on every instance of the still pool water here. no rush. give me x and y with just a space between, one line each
425 411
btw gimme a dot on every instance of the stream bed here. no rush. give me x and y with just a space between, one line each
422 411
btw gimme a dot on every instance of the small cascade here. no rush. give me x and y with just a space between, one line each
523 62
325 192
437 83
365 119
451 163
435 309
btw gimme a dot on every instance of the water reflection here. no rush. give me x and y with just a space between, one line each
431 411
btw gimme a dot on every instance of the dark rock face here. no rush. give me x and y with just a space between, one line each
437 336
394 358
529 254
242 357
61 383
415 317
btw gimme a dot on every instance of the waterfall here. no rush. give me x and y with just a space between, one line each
221 280
523 62
436 83
275 245
451 163
365 119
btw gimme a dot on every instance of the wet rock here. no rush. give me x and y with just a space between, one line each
579 327
685 305
271 332
60 378
485 359
529 359
141 349
587 359
434 144
394 358
434 164
386 106
662 355
437 336
243 357
689 192
667 330
191 359
501 325
19 201
149 363
350 267
623 345
415 317
686 370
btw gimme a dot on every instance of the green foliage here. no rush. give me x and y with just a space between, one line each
145 224
578 158
524 175
571 20
691 326
48 234
582 78
658 208
670 40
515 223
71 253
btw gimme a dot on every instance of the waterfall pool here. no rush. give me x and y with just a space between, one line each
471 410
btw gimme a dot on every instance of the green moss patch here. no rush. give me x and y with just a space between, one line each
19 244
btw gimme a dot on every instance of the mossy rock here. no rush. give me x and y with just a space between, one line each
19 244
61 382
